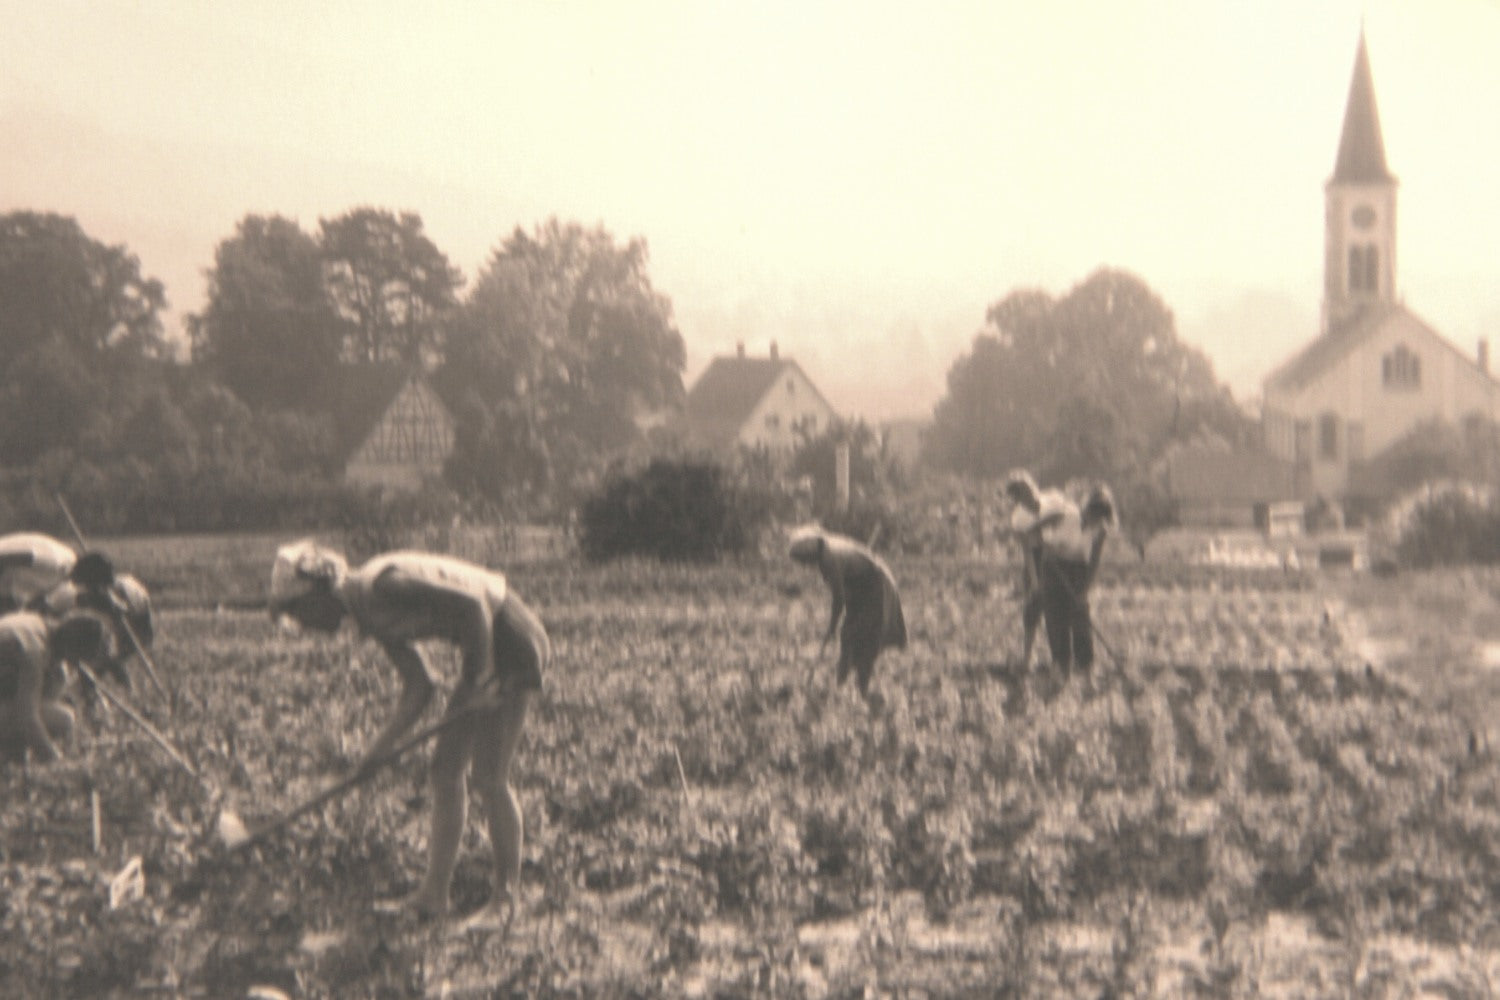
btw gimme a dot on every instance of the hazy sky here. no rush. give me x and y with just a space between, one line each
855 181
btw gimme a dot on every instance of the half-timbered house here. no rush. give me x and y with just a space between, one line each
394 429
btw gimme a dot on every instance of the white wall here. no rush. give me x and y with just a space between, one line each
790 401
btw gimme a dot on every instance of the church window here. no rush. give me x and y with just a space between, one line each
1302 440
1401 369
1328 436
1364 269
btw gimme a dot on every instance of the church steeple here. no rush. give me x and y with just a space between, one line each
1359 267
1361 157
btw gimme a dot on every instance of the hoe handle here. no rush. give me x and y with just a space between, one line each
139 720
354 780
135 640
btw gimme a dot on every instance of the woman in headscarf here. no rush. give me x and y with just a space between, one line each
864 596
398 599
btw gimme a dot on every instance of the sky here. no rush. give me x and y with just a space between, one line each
854 181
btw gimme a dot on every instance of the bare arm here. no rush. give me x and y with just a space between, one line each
1044 522
416 691
836 586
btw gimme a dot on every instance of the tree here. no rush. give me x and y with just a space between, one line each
390 283
1435 450
872 472
561 348
50 399
1092 384
269 331
58 286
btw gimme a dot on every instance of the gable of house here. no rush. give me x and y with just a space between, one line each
393 429
754 402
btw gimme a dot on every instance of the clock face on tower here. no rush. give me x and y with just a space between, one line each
1363 217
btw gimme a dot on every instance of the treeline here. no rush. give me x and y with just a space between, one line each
559 346
550 359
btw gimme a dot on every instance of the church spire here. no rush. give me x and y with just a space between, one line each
1359 263
1361 158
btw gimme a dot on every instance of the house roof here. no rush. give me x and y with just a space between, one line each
728 391
355 397
1331 347
1205 474
1361 157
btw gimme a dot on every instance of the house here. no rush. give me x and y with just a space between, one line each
753 402
1376 369
393 429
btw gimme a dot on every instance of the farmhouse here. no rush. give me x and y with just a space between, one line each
753 402
1376 370
393 429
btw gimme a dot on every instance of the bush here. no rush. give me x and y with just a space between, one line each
1446 524
675 510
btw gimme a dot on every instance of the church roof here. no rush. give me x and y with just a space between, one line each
1329 348
1361 157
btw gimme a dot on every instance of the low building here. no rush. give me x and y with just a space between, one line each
1218 488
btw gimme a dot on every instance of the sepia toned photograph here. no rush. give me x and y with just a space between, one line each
811 500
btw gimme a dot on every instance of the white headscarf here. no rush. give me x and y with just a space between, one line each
300 567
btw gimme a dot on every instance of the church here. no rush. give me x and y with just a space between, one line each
1375 370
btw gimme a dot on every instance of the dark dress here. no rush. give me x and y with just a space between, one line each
873 619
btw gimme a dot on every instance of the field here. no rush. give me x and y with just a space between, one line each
1245 799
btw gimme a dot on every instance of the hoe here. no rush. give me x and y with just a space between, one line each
234 835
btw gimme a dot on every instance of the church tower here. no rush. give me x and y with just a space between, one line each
1359 225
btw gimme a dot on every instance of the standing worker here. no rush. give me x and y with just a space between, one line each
398 599
1073 540
864 595
1031 505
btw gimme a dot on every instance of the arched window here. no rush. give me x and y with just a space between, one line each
1328 436
1364 268
1401 369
